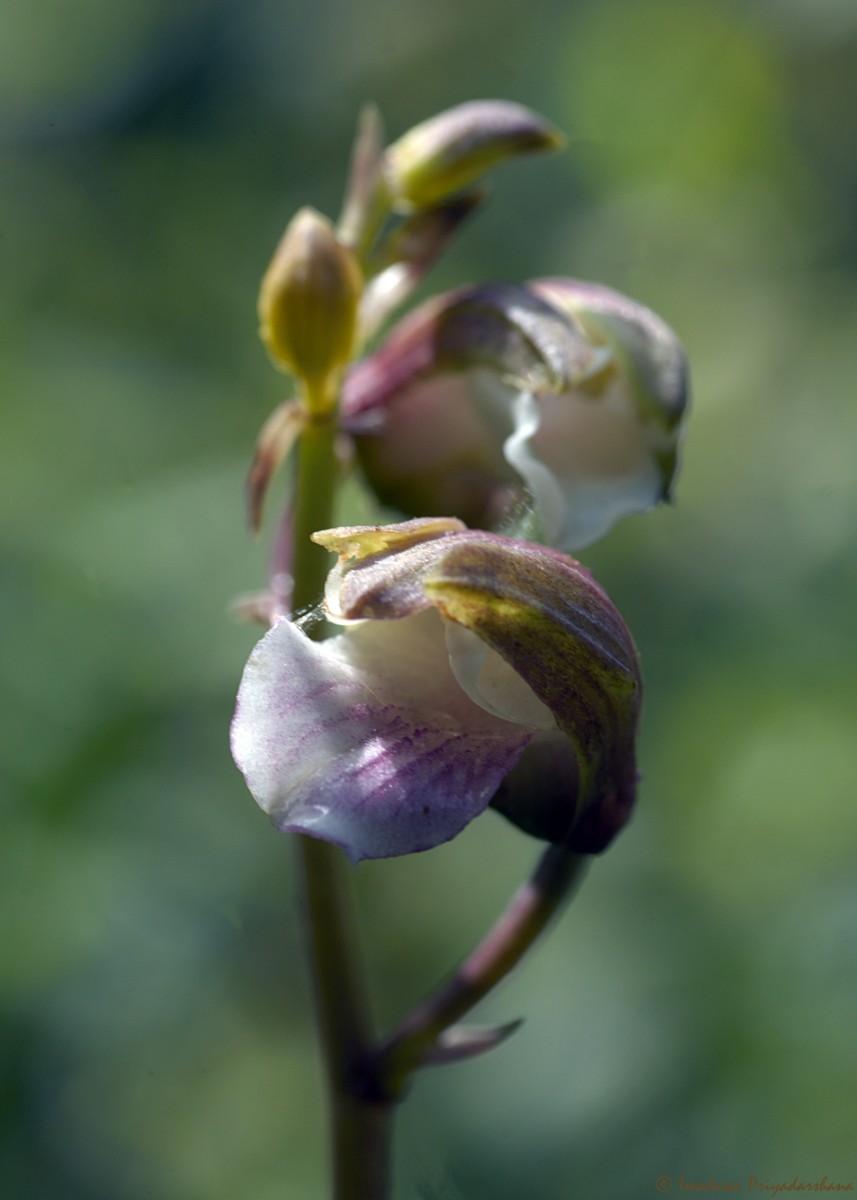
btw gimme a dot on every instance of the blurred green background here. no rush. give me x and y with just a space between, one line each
694 1011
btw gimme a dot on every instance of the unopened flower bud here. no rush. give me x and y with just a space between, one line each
448 152
308 303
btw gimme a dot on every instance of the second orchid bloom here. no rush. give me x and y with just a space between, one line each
563 395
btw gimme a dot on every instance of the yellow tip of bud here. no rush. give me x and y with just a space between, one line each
308 303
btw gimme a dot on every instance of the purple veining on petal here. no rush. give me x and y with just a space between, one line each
381 761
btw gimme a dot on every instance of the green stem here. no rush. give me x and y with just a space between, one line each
360 1124
314 500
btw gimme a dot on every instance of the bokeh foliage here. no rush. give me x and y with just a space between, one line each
694 1011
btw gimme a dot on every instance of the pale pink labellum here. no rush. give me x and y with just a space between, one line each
367 740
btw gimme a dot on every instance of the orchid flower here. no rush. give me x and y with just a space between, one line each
471 669
567 395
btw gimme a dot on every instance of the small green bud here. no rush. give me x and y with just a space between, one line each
448 152
308 304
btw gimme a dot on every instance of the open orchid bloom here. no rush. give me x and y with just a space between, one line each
471 668
564 394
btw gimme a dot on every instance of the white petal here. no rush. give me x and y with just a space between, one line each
589 459
541 481
366 740
491 683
